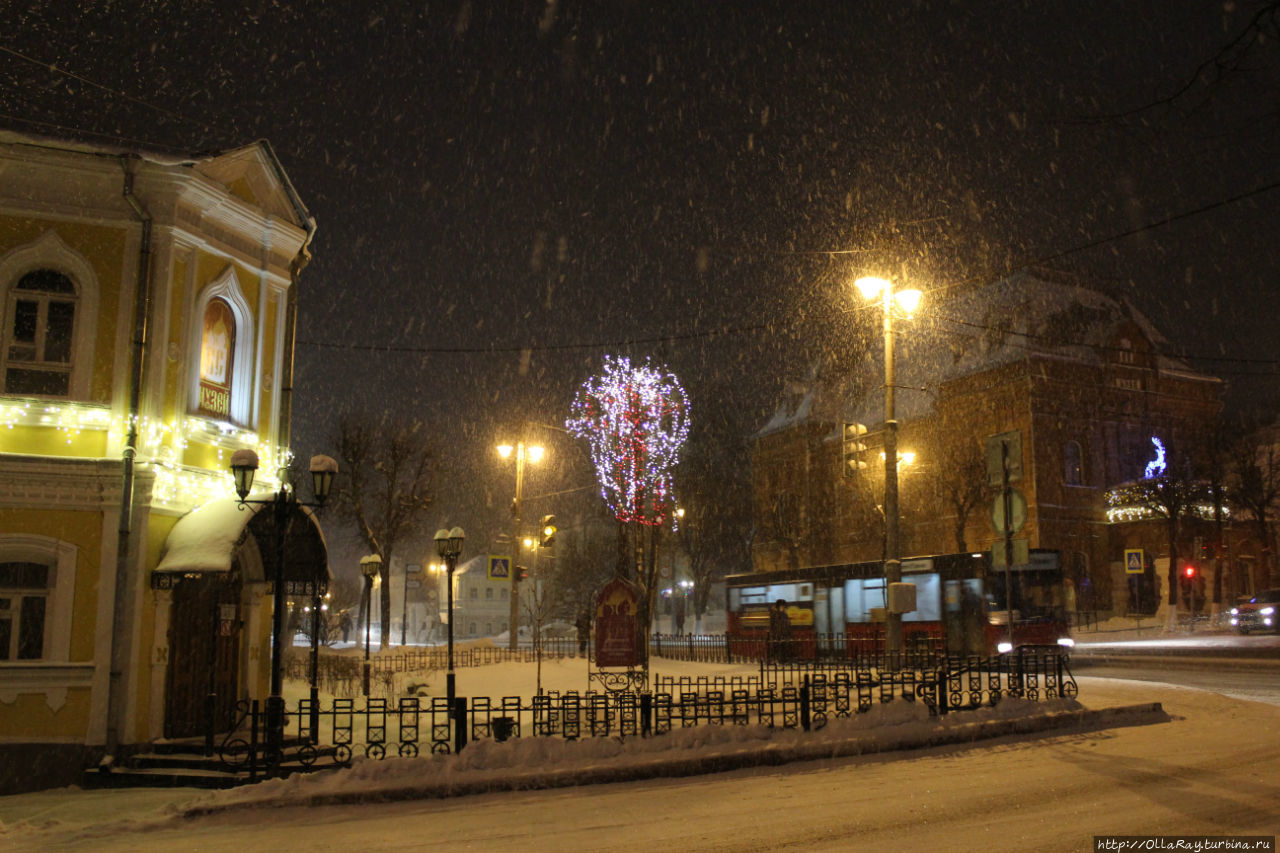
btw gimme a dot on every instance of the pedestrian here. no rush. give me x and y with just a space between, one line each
344 623
583 624
779 630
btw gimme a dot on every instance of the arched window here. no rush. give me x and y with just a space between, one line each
217 359
39 334
1072 464
222 377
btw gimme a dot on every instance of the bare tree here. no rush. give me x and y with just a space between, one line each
962 479
387 467
1256 490
714 489
1171 497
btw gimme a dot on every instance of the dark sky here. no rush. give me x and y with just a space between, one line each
508 191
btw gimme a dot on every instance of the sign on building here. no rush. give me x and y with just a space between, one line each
1134 561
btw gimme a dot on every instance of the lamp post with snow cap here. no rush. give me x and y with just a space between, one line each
532 453
905 301
449 546
244 464
369 567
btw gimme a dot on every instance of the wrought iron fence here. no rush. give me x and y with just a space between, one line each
793 695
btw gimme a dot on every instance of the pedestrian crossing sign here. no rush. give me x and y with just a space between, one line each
1133 561
499 568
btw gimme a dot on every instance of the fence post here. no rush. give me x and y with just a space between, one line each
1058 658
646 714
253 740
804 704
459 723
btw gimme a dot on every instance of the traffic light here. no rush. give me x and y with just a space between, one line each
548 537
1189 572
522 573
853 449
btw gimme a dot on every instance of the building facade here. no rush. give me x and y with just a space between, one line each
1080 383
148 304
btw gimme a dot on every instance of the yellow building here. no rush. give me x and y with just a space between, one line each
149 305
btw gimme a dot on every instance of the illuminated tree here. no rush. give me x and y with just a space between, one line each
636 419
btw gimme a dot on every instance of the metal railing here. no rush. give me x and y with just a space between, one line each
802 695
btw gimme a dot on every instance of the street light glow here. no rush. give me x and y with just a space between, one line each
871 286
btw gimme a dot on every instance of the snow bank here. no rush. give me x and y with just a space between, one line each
533 762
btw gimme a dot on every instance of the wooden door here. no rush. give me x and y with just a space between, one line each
204 652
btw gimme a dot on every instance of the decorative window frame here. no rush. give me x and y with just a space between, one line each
60 557
227 288
54 674
48 251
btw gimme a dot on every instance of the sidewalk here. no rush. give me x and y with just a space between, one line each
548 763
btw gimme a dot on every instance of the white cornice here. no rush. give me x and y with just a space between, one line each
59 483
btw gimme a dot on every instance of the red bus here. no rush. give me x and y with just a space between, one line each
961 608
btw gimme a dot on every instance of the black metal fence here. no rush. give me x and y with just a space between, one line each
792 695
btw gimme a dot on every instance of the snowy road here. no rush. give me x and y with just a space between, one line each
1211 770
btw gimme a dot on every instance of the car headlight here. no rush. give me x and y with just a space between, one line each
1235 611
1067 642
1005 647
1267 611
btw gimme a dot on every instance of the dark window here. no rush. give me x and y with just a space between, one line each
1072 464
40 334
23 599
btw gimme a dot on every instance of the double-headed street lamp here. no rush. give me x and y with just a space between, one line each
369 567
904 301
533 453
244 464
449 546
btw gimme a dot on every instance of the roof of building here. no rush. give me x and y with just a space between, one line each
1029 314
224 166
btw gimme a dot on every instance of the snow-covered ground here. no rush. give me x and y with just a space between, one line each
1209 769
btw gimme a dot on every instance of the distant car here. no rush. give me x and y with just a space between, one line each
1260 613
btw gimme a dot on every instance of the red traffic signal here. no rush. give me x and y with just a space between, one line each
1189 572
522 573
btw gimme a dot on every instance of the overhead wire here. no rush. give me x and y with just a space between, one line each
707 334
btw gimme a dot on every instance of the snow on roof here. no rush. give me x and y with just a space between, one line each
1025 315
204 539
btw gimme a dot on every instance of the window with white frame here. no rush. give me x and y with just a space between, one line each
37 585
39 334
24 600
222 330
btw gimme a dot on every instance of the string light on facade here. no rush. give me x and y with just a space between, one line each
636 418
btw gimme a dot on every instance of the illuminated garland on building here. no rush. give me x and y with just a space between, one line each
160 447
636 419
1140 501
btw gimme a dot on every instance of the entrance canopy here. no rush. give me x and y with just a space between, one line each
216 535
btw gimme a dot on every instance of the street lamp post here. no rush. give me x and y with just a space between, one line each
872 288
449 546
369 567
244 464
534 454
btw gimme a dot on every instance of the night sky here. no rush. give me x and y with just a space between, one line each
508 191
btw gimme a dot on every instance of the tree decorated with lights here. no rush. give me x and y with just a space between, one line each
636 419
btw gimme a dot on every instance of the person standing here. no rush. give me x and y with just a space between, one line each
779 631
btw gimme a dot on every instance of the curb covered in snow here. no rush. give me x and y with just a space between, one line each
731 757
